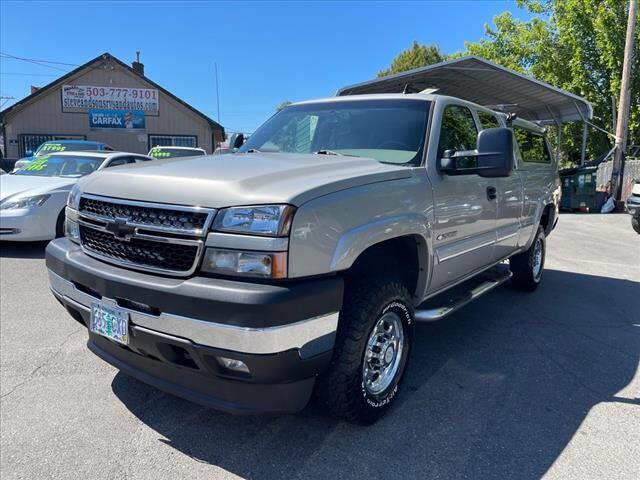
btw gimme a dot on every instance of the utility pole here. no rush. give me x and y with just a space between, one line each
622 125
217 92
6 100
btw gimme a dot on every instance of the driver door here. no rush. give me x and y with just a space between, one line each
465 212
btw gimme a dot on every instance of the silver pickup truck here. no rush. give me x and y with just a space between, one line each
300 264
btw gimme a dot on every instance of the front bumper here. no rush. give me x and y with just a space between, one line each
284 334
633 206
27 224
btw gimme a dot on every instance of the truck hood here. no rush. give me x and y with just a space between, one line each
239 179
26 185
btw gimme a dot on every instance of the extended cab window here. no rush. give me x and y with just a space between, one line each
488 120
533 146
458 132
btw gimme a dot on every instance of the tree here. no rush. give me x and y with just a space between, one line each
283 105
576 45
414 57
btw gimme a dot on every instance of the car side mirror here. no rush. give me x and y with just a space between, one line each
492 158
236 141
28 153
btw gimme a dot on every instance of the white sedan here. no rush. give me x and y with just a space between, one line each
32 199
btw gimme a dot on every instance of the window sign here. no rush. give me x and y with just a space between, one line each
123 120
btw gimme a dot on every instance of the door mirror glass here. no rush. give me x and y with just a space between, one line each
492 158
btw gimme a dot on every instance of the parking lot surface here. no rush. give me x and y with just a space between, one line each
512 386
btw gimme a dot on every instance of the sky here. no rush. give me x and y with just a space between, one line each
266 52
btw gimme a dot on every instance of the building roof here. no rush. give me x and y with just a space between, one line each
485 83
105 57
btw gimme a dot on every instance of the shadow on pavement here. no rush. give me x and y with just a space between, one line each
22 249
495 391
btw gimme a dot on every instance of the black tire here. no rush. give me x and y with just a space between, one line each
526 276
60 225
635 223
342 388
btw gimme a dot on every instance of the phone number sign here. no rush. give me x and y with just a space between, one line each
90 97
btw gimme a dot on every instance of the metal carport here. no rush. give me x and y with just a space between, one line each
485 83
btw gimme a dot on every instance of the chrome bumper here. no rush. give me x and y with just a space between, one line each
267 340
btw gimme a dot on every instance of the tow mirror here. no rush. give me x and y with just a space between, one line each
236 141
28 153
492 158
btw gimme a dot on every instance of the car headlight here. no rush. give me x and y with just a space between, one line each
24 202
73 200
268 220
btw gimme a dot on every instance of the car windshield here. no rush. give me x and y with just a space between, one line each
390 131
52 147
61 166
168 152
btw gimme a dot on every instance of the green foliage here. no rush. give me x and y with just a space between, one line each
414 57
576 45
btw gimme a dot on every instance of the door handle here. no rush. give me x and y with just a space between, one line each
491 193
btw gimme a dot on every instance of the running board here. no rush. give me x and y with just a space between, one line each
444 304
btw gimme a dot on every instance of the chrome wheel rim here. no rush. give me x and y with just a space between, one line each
537 259
383 353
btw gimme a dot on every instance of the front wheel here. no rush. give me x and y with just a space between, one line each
372 348
635 224
527 267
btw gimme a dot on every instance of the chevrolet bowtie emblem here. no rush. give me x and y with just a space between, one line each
120 229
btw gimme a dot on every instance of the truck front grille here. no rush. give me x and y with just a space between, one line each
153 237
145 216
145 253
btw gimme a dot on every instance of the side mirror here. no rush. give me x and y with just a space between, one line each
236 141
28 153
493 157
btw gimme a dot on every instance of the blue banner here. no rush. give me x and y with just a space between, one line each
120 119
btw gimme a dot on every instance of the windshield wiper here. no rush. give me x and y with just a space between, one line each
253 150
328 152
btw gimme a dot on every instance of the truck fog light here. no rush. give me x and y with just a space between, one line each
232 364
72 230
256 264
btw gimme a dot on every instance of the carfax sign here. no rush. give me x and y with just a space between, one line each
110 119
89 97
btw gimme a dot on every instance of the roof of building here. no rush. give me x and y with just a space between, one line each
485 83
101 58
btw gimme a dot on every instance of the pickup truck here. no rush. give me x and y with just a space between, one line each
299 266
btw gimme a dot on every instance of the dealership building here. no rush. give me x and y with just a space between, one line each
108 101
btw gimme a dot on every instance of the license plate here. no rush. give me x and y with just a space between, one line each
110 322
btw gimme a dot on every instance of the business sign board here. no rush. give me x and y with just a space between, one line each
90 97
122 120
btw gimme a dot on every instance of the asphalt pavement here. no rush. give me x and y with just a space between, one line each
514 386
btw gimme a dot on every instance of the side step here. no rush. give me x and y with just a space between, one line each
447 302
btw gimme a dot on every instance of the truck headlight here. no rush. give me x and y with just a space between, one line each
268 220
250 264
73 200
24 202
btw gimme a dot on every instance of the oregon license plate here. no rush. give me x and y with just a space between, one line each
110 322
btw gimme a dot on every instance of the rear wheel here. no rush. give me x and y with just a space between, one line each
528 267
372 347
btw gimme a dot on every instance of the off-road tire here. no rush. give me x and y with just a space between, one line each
635 224
60 225
342 389
522 267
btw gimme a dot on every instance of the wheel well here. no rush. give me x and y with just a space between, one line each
398 257
545 219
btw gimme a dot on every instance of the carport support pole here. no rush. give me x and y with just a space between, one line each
559 140
583 154
622 125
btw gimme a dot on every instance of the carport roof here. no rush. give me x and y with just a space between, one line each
485 83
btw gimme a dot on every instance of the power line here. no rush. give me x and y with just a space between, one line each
29 74
42 63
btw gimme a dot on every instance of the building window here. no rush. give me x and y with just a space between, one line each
172 141
28 141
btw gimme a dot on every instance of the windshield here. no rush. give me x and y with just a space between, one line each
61 166
390 131
168 152
52 147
